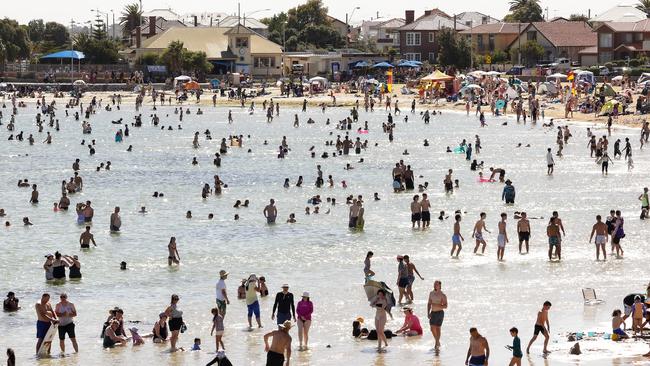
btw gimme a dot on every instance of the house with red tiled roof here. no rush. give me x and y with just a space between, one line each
488 38
560 39
620 40
419 37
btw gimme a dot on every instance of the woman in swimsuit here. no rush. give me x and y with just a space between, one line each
160 329
380 304
175 320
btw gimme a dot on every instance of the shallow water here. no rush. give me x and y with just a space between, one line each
318 254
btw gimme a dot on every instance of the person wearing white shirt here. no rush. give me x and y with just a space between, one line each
222 295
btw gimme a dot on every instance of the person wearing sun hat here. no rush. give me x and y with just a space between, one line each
222 295
304 309
285 306
280 345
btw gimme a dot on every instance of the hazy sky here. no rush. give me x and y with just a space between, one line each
64 10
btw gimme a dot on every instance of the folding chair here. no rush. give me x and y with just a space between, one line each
589 295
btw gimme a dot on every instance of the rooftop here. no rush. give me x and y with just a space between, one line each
620 13
496 28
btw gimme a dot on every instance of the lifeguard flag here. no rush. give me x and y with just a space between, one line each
389 80
571 76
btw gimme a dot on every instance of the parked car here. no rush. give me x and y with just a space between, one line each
603 71
516 70
561 64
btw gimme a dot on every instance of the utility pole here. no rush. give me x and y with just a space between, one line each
471 44
71 52
519 44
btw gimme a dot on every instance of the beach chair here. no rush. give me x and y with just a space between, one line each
589 295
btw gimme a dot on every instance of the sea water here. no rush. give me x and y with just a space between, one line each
319 253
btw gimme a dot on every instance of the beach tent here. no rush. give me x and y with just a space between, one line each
477 73
511 93
607 90
79 83
75 55
437 76
382 65
323 82
493 73
547 88
192 85
586 76
608 107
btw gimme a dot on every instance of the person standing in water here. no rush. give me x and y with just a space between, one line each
412 271
366 265
553 233
66 311
479 349
251 288
542 325
86 238
416 211
281 345
173 257
425 213
502 238
523 231
645 203
175 321
380 303
116 220
456 238
270 212
550 162
45 318
600 229
477 233
436 311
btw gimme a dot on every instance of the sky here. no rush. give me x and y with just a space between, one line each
80 10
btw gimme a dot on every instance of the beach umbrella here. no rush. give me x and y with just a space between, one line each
372 81
79 83
407 64
472 86
361 64
557 75
493 73
382 65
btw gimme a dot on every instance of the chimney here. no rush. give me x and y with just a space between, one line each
409 16
454 21
152 26
138 37
196 21
427 12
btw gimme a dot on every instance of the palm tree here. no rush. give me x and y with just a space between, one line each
517 4
644 6
130 19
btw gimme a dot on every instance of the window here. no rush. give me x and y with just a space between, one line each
638 37
531 36
491 42
264 62
412 56
605 57
413 39
627 37
431 37
605 40
485 20
241 42
479 41
432 57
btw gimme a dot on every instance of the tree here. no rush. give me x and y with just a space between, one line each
36 30
525 11
453 50
147 59
305 26
99 29
56 35
579 18
97 51
14 42
531 52
131 19
644 6
172 57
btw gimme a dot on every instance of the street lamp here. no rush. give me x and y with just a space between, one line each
253 12
113 13
347 25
